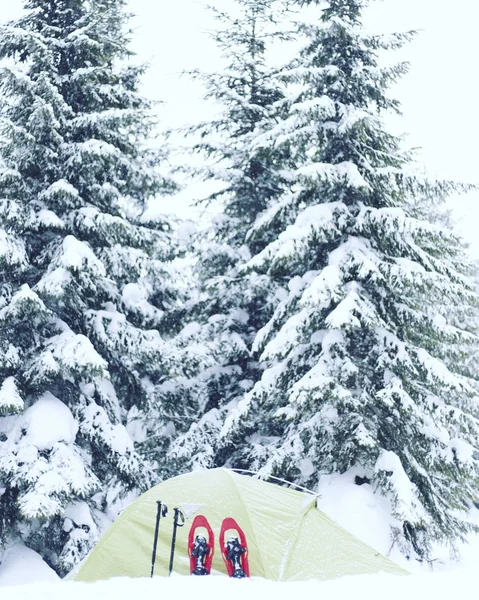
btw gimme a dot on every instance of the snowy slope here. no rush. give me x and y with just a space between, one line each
20 565
367 516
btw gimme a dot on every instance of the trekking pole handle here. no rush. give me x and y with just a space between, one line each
179 515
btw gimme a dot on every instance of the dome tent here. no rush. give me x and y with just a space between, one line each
289 538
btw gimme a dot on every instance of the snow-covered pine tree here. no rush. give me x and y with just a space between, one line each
225 313
366 371
83 278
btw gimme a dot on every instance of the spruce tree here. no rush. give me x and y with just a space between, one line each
366 369
228 307
84 282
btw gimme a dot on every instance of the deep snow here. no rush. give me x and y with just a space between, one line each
371 587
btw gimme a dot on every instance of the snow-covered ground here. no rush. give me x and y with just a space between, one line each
373 587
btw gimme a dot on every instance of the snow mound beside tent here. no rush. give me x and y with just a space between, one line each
20 565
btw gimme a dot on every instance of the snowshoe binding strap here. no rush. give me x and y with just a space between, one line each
234 549
200 550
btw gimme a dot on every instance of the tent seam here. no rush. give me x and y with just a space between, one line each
294 538
232 476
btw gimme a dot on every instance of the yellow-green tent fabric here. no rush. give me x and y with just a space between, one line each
289 538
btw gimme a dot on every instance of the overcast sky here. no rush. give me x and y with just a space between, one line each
440 96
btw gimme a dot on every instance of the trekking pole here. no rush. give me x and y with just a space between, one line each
179 521
161 511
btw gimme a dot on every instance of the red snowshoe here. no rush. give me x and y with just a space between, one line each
234 549
200 550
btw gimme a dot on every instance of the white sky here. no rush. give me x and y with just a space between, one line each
440 96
